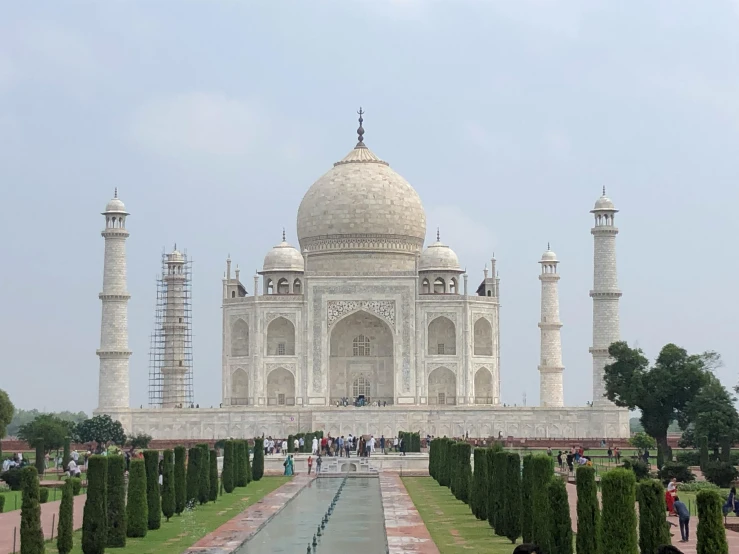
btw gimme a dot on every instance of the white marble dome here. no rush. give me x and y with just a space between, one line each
115 206
361 197
283 257
549 256
438 257
604 203
176 256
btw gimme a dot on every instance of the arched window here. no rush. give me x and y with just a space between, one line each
361 387
425 287
283 287
296 287
453 286
233 294
270 287
439 286
361 346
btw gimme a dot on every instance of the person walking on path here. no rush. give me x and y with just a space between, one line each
310 464
319 461
382 443
314 446
683 515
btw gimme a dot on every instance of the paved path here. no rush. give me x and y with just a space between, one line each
686 548
49 517
405 529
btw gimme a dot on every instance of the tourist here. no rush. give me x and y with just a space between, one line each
371 446
296 445
395 444
549 451
646 456
732 503
288 463
284 446
672 485
340 446
75 456
310 463
73 469
610 453
302 443
401 445
559 460
382 443
314 446
570 459
617 454
670 501
348 446
684 518
319 461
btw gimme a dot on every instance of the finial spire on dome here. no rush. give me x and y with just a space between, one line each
438 235
360 130
283 234
548 247
604 190
175 246
115 193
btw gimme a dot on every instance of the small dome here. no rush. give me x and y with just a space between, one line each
115 205
284 257
438 257
176 256
549 256
604 203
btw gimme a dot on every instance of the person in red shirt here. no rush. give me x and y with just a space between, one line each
310 464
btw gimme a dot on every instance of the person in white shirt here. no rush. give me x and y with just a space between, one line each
672 485
6 464
296 445
75 456
74 471
314 446
284 446
395 443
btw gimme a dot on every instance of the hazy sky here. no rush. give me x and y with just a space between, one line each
214 118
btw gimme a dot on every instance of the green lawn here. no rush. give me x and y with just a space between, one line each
181 532
13 498
452 526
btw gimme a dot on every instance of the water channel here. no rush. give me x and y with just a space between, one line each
356 524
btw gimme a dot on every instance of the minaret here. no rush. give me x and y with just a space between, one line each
605 293
113 353
175 364
551 391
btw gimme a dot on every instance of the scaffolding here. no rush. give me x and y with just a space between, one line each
170 346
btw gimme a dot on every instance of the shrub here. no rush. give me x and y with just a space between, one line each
704 452
257 468
213 476
153 495
204 481
76 485
40 461
496 466
116 501
542 472
227 474
511 515
725 449
12 478
711 533
95 515
559 524
527 491
638 467
679 471
65 527
168 485
653 531
464 472
689 457
588 511
193 474
32 537
618 521
720 473
479 490
180 479
2 503
699 486
43 495
137 508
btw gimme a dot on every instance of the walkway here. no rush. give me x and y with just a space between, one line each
405 529
49 521
686 548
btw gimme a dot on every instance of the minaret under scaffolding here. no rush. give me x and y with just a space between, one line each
170 372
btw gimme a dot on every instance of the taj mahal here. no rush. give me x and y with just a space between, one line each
360 329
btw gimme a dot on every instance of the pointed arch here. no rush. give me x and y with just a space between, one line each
425 286
240 338
280 387
280 337
297 287
483 386
483 338
239 388
442 337
283 286
442 386
439 286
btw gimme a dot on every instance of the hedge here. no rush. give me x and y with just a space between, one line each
137 511
411 441
116 501
560 523
588 510
257 468
653 531
65 527
542 471
618 521
95 515
227 474
153 495
479 491
193 475
638 467
464 472
40 460
168 485
32 536
204 479
681 472
180 479
76 485
510 517
43 495
711 533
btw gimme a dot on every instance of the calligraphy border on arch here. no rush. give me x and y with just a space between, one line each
336 309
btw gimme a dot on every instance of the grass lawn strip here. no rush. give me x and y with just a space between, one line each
181 532
451 524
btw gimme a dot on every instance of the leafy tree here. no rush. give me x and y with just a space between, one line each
102 430
168 484
661 392
588 511
618 521
46 429
511 516
257 468
32 536
139 440
214 475
542 472
65 527
180 479
153 500
194 456
204 481
116 501
95 515
559 524
527 504
720 473
653 531
21 417
642 441
711 533
479 491
227 474
6 413
136 508
710 414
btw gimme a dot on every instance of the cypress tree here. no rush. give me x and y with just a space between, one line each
511 513
153 496
711 532
227 474
95 515
560 523
66 456
65 527
588 511
494 491
704 452
239 465
726 449
244 467
527 504
442 469
32 536
168 485
432 456
618 521
116 501
454 468
653 531
40 458
136 506
213 496
180 479
204 481
193 475
542 472
480 485
248 462
497 482
257 468
464 470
